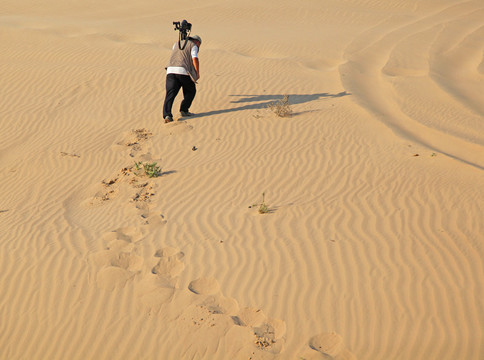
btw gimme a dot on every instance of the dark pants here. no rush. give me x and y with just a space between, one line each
173 84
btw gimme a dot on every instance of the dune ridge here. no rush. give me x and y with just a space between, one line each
441 37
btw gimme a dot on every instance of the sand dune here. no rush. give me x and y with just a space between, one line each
372 244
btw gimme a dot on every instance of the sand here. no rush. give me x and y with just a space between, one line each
372 246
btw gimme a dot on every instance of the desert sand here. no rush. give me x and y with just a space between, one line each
372 245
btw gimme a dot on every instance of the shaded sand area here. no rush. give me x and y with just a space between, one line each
372 245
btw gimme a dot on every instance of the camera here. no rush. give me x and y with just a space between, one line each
184 28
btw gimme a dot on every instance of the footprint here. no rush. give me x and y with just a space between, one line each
127 261
110 188
128 233
250 317
268 333
161 285
201 331
170 263
152 219
118 262
111 277
204 286
119 267
133 140
269 336
101 197
131 184
120 240
219 304
330 344
273 329
154 292
143 191
176 127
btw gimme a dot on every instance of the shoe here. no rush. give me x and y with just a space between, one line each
186 113
168 119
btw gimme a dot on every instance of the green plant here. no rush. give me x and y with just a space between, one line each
281 108
263 208
151 170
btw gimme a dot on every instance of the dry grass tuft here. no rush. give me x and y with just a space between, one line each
281 108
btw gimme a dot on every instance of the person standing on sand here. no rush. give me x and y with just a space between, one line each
182 71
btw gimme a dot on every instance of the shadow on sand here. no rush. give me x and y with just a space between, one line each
254 102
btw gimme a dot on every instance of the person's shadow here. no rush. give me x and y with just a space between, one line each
255 102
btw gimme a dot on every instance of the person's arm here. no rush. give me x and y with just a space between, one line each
196 64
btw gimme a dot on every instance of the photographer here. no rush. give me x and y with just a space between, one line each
183 71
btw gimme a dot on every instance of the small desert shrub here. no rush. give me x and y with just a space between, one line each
263 208
281 108
150 170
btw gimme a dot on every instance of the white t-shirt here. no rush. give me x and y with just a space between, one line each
178 69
